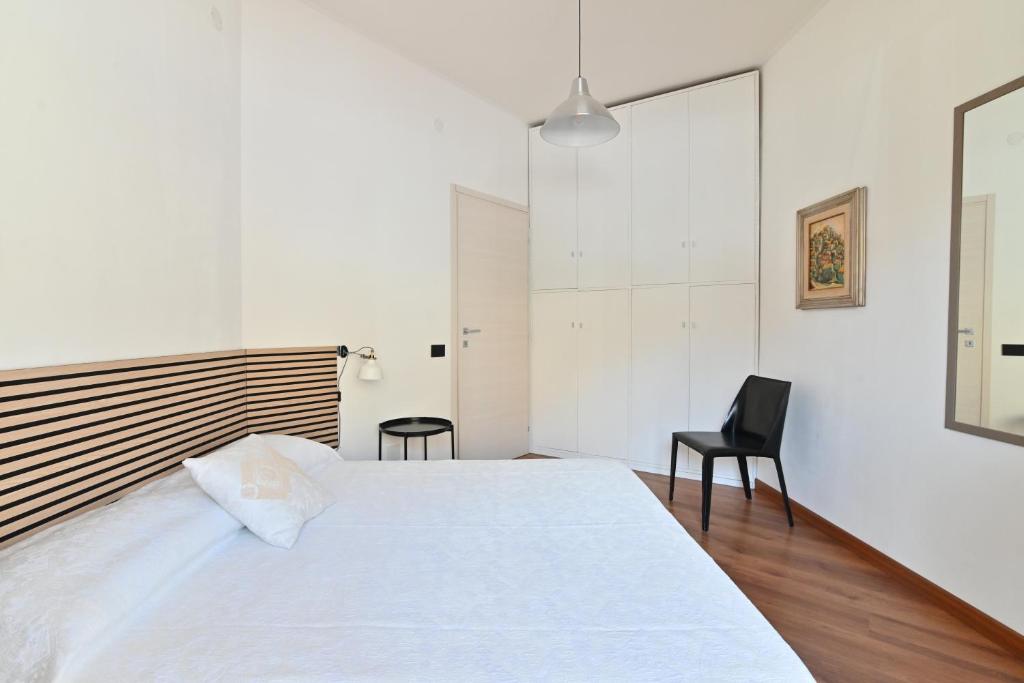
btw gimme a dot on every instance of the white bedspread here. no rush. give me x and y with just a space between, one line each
456 571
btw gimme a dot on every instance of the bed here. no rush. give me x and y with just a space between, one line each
565 570
116 565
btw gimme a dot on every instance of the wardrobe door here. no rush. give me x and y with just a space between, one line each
723 351
660 179
604 372
723 181
604 210
553 373
660 353
552 215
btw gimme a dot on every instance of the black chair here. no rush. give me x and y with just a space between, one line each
753 428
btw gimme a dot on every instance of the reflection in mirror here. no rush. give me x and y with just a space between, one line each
989 335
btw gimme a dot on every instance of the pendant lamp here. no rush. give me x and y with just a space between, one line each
580 121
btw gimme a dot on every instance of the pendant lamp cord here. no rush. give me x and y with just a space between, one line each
579 38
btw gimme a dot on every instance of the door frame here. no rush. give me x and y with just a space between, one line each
989 201
453 344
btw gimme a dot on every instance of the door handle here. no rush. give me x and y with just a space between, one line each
466 330
965 330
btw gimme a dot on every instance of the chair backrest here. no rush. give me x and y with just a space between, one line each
760 411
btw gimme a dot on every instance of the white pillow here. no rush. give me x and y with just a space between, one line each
260 488
311 456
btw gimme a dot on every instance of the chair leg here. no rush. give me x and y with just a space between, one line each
672 470
707 478
380 445
453 442
744 475
782 487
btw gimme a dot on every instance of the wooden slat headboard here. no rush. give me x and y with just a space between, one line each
75 437
293 391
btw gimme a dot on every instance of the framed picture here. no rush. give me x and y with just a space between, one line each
830 251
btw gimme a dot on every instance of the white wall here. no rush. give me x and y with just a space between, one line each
864 95
348 152
119 172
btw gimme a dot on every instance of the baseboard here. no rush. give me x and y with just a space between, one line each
682 473
993 629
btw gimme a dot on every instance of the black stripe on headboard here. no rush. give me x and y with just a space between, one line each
75 437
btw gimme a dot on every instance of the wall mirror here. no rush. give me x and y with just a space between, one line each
985 364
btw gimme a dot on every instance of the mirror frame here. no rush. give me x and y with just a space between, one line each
954 267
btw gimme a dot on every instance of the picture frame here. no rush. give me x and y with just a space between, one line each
831 248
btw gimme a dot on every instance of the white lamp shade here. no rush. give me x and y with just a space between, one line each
580 121
370 372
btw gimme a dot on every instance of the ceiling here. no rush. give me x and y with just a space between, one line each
521 54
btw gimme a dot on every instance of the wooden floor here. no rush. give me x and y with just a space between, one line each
848 619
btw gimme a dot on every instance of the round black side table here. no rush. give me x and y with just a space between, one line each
414 426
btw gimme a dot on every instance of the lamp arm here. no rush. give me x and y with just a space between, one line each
343 351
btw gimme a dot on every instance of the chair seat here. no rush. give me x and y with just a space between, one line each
719 444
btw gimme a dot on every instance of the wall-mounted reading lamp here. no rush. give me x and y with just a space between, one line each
370 372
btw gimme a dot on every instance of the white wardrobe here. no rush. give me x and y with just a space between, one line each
643 277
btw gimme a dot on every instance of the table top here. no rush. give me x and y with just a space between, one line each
416 426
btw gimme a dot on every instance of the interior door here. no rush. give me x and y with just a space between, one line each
660 353
604 210
723 334
660 190
553 254
492 328
723 181
604 373
553 372
972 354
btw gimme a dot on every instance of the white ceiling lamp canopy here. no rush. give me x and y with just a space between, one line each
580 121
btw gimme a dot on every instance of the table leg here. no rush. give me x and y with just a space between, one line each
380 436
406 445
424 448
453 442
